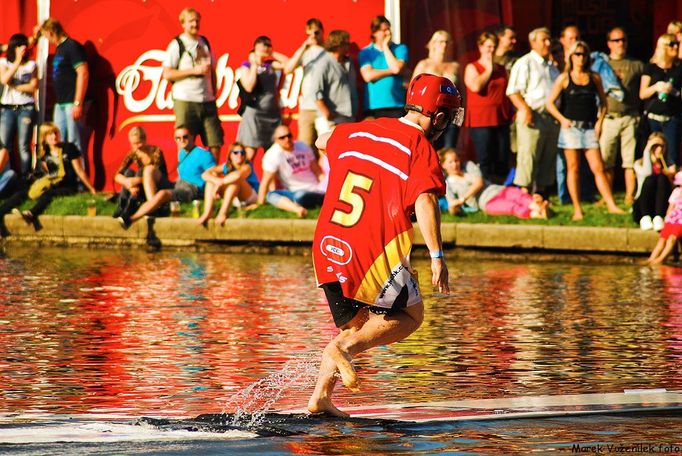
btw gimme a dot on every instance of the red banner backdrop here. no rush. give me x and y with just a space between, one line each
126 40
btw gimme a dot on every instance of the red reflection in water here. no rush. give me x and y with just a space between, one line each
177 334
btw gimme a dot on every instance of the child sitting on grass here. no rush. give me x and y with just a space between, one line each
672 228
467 191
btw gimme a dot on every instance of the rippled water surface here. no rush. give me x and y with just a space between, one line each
132 334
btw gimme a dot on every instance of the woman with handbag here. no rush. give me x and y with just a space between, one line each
58 170
661 84
257 80
581 120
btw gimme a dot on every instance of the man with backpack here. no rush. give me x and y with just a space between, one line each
190 67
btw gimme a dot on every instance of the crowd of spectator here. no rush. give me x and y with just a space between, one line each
555 119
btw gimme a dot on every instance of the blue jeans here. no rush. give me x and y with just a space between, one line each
18 122
72 131
672 133
302 197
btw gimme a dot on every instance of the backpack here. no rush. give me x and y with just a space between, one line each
182 49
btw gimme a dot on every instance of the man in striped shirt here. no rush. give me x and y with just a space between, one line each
382 172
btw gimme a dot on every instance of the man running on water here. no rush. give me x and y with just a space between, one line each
382 171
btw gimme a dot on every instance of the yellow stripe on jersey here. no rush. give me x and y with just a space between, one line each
380 271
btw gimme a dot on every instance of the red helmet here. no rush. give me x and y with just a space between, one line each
428 94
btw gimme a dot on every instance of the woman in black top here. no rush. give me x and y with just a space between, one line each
660 88
581 120
59 169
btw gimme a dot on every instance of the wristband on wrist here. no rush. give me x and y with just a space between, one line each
436 254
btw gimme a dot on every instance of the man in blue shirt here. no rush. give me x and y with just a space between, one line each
381 64
192 162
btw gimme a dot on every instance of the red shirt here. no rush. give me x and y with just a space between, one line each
489 107
364 233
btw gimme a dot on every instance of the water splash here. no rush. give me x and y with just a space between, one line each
252 403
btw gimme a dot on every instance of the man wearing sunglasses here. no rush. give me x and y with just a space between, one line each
618 129
299 175
382 172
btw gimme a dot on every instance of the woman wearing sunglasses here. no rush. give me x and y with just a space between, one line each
233 179
660 88
581 119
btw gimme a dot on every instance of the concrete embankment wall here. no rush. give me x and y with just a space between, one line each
103 231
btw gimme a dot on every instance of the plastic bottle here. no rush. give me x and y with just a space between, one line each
664 96
196 211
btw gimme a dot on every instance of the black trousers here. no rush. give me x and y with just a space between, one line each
653 200
16 199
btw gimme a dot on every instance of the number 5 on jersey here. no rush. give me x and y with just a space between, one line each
349 195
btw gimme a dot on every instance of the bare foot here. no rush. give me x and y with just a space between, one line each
342 360
324 405
220 219
629 200
616 210
302 212
577 216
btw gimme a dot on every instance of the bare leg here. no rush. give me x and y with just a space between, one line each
377 330
161 197
228 197
630 184
321 399
209 198
656 251
669 246
573 181
597 166
150 176
609 177
287 205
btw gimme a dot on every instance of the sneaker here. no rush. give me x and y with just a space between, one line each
658 223
645 223
124 221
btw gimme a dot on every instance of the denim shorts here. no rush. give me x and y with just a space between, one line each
304 198
578 138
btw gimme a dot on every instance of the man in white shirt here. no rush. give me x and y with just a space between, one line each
190 67
298 171
530 83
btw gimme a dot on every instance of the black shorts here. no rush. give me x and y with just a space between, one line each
344 309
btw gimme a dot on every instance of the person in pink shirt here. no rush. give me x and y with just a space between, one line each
672 229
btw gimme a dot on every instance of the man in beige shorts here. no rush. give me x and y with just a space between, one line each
620 124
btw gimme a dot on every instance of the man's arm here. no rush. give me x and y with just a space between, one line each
172 74
428 217
395 65
82 75
321 142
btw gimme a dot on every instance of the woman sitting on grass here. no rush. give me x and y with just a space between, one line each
467 191
234 178
654 184
672 229
58 170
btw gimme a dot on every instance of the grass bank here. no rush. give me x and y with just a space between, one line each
595 215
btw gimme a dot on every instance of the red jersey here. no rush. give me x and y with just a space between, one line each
364 234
